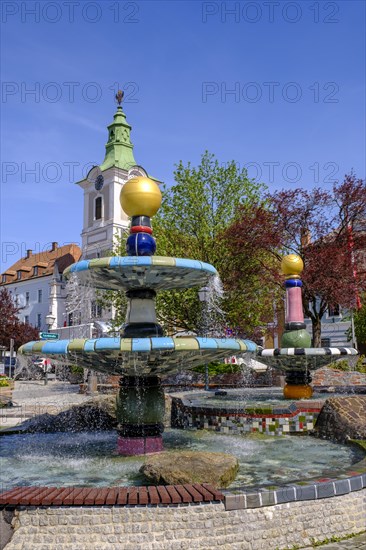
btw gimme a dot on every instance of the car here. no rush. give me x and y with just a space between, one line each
44 363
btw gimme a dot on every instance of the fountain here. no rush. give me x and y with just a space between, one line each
279 477
296 358
142 352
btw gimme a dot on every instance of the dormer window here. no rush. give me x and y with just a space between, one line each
19 275
98 208
35 270
3 278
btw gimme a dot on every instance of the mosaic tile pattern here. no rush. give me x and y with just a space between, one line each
139 355
292 417
133 272
302 358
300 423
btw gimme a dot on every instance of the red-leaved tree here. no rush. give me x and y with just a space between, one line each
326 228
10 325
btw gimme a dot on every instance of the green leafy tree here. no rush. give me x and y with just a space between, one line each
194 214
360 323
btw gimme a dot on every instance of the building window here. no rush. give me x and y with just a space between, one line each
35 270
333 311
70 320
96 309
26 319
39 320
16 300
19 275
40 296
3 279
27 298
98 208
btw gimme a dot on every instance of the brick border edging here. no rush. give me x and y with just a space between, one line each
111 496
175 495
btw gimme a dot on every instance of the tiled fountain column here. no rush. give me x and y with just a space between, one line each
140 414
295 335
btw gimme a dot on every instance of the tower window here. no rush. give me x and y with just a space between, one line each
98 208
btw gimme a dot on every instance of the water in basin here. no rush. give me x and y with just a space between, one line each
248 397
89 458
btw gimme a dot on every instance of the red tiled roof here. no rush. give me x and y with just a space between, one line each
62 256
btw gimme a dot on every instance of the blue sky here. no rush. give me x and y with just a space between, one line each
276 86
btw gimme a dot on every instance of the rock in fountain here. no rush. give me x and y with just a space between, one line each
142 352
296 357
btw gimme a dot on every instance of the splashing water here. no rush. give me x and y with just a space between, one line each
79 299
89 459
214 316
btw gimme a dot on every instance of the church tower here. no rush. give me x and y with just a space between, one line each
104 218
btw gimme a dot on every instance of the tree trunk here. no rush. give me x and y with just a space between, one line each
317 332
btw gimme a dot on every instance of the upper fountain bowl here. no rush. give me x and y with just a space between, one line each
135 272
302 359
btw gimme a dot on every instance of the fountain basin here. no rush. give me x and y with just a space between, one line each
302 359
139 356
135 272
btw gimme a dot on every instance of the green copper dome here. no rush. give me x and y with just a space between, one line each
119 149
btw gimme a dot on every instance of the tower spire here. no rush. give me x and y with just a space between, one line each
119 149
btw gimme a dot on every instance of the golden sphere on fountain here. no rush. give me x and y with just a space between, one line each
292 265
140 196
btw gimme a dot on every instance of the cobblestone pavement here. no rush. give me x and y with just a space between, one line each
356 543
34 398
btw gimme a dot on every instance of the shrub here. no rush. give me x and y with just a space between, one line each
74 369
340 365
4 381
361 364
215 368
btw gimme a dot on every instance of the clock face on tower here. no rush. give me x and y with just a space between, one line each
99 182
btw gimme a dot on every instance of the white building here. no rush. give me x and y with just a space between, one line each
37 285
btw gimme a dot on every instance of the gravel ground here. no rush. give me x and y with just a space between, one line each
34 398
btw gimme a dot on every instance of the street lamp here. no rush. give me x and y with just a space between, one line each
50 319
203 294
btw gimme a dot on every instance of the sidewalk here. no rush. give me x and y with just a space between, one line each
32 398
356 543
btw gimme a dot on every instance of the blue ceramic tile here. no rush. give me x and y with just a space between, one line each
164 343
89 345
207 343
141 344
58 346
107 343
80 266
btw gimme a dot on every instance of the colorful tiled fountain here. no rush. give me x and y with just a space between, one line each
295 357
142 352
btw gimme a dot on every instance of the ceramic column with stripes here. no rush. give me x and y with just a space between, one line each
295 337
